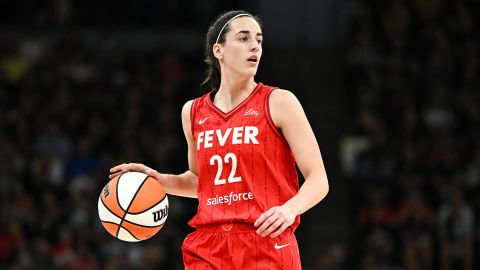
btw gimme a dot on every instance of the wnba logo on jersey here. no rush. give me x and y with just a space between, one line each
236 135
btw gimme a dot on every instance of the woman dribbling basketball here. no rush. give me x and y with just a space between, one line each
244 142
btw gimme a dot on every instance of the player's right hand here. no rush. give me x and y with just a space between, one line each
130 167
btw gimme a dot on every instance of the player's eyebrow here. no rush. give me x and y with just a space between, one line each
248 32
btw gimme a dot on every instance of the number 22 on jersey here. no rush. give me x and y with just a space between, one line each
228 158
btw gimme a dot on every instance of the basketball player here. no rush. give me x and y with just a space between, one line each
244 139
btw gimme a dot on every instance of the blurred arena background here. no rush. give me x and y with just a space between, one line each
391 89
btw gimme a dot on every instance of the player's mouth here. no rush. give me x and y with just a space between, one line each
253 60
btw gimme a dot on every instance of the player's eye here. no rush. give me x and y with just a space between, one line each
243 39
260 41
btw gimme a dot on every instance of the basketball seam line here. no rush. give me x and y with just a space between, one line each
110 210
123 228
139 225
145 226
151 227
116 191
141 212
133 198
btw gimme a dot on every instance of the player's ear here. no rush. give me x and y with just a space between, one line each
217 51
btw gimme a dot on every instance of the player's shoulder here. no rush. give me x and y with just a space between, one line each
187 107
282 97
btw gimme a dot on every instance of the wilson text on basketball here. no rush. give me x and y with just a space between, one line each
160 214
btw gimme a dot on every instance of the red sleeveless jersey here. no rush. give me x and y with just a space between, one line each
245 166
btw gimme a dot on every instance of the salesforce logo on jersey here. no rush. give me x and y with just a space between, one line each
228 199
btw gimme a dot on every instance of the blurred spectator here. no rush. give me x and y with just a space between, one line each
456 229
334 258
13 65
416 224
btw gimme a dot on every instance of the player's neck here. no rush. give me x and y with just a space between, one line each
232 92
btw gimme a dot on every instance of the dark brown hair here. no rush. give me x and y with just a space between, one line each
214 73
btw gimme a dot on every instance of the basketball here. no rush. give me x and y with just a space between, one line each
133 206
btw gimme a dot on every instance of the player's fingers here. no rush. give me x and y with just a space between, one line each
266 224
128 167
272 227
138 167
279 231
118 167
135 167
113 175
263 217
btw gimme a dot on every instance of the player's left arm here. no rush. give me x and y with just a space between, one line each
297 131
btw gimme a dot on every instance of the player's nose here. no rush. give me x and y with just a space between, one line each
254 47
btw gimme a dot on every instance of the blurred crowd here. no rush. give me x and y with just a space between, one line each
70 109
412 151
69 112
166 14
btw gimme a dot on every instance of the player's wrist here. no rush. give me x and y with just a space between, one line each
293 208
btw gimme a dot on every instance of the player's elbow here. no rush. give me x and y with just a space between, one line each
323 188
317 186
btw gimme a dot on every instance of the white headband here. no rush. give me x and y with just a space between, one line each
234 17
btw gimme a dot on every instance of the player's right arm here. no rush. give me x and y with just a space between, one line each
184 184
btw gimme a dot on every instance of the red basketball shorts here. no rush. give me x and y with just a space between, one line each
238 246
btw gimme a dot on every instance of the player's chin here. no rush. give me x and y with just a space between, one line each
251 71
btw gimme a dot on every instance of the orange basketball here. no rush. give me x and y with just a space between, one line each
133 206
